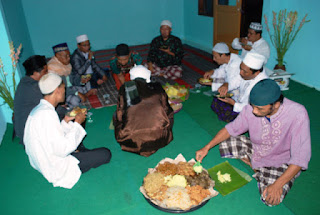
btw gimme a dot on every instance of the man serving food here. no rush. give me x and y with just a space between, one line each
279 146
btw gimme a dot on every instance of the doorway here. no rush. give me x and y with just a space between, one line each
233 17
251 11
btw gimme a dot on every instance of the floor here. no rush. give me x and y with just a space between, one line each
114 188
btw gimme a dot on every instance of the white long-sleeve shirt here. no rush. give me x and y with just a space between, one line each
49 143
229 72
244 91
261 47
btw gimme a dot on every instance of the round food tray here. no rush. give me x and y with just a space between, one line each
176 211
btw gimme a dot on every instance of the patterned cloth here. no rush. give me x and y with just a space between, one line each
223 110
161 58
241 147
169 72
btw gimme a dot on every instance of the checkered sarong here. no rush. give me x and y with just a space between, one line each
241 147
170 72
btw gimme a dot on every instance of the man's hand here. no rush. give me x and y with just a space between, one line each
228 100
243 40
167 51
208 74
150 67
68 118
80 117
272 194
90 55
100 81
104 78
200 154
223 90
247 47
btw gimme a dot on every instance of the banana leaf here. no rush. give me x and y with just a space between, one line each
238 178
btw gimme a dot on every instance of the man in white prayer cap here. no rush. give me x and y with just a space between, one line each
229 69
51 144
85 70
165 54
252 71
253 42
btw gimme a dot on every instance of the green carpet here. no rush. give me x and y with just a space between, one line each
114 188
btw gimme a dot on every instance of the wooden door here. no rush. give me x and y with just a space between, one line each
227 21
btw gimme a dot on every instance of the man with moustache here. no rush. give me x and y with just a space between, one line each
85 70
279 146
165 54
60 65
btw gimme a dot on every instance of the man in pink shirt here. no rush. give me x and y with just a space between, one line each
279 146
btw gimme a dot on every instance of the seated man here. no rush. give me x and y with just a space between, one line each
229 69
85 70
165 54
28 94
251 71
60 65
279 146
50 144
144 119
122 62
253 43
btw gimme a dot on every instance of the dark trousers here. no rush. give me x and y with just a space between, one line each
92 158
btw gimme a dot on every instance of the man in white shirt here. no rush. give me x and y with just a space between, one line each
253 42
50 144
229 69
251 71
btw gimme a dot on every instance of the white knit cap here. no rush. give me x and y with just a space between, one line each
166 22
255 26
82 38
221 48
140 72
49 82
254 60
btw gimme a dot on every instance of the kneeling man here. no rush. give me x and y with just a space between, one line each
51 144
279 146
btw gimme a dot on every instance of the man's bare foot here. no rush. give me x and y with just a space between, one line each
246 161
82 97
91 92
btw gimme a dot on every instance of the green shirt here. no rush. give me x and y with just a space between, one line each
116 68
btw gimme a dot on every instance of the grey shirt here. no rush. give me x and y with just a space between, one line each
28 95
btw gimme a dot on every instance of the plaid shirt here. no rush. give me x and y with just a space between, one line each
161 58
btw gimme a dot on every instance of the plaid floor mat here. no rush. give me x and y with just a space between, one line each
194 64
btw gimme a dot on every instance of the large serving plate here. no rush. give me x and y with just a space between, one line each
161 206
177 211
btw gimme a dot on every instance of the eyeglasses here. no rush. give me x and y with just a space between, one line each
85 44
